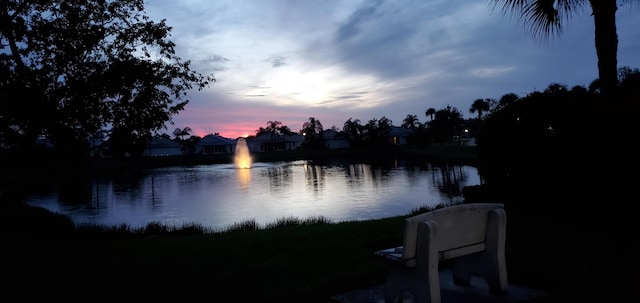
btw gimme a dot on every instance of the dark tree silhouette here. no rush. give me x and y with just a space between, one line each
446 124
375 131
430 112
410 121
69 69
545 18
273 127
312 132
353 129
480 106
180 133
312 128
505 100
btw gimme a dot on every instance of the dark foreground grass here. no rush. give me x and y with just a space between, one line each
291 260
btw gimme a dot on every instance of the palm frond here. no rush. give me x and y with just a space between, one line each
543 18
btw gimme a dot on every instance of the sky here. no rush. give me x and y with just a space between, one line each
334 60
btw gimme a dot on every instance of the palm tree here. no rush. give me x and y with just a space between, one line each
411 121
179 133
545 17
312 127
273 128
385 123
430 112
312 131
505 100
447 123
353 129
481 106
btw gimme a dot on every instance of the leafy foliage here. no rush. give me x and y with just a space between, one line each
71 69
529 144
446 124
547 18
312 132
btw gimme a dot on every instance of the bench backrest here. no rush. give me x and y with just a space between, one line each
458 226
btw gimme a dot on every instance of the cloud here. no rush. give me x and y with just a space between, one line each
277 61
340 59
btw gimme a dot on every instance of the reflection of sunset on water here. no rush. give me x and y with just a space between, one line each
219 195
244 178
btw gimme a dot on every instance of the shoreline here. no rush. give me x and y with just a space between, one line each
446 153
25 172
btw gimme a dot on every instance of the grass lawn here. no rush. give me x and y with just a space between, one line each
297 263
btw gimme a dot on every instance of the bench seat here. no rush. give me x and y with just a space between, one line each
473 235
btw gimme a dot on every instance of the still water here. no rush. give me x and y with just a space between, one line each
220 195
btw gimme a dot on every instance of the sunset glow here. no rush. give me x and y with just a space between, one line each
366 59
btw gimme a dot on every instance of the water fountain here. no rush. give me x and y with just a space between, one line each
242 157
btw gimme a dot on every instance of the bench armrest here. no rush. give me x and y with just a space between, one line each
394 255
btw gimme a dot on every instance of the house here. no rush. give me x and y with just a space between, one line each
333 139
398 135
99 147
159 146
216 144
267 142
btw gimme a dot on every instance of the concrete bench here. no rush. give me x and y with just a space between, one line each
472 235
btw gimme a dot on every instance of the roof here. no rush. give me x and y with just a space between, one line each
160 142
329 134
216 140
267 138
397 131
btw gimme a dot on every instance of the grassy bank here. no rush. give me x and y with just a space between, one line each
304 263
294 261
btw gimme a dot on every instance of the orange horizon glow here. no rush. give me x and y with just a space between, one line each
231 132
236 130
234 125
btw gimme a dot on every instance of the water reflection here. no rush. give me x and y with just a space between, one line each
450 179
220 195
244 178
314 176
279 177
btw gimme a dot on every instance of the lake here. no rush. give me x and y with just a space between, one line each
219 195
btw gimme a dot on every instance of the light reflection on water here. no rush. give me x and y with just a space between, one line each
220 195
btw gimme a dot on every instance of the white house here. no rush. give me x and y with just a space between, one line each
216 144
274 142
398 135
333 140
159 146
